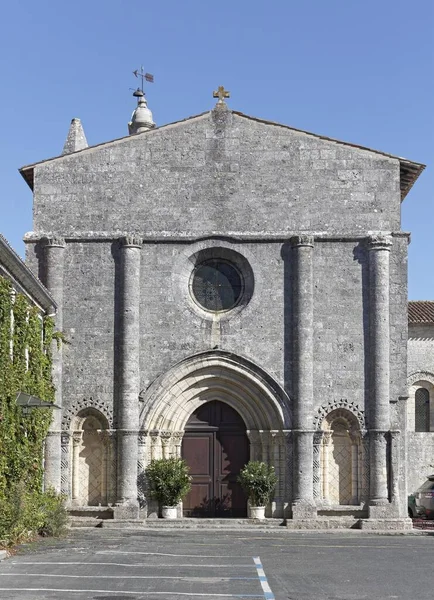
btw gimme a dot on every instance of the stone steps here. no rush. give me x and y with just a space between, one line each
184 523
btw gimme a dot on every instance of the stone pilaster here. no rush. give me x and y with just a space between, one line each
379 409
54 250
303 503
129 383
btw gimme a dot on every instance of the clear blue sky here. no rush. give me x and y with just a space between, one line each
360 71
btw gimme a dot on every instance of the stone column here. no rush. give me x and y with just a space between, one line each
129 380
303 503
76 447
379 409
54 250
65 463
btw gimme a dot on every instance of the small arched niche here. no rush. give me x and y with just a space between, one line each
91 459
341 459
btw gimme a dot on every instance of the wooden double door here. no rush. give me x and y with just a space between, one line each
216 447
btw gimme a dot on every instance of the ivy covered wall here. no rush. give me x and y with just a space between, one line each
25 365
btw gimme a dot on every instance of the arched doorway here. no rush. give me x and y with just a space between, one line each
216 447
90 459
342 459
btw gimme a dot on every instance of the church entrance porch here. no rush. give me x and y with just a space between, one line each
218 411
215 446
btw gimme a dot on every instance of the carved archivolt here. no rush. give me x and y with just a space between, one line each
420 376
172 398
70 412
343 403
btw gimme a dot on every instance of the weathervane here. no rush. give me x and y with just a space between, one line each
144 77
221 94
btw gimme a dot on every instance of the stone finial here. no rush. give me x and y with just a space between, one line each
141 119
76 140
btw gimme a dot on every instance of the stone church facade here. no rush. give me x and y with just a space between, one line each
230 288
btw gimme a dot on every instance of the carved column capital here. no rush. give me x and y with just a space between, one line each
165 437
131 240
64 438
155 436
77 437
298 241
380 242
53 242
177 437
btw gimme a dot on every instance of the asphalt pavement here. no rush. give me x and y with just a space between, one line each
98 564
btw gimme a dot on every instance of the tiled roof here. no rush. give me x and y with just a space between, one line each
421 311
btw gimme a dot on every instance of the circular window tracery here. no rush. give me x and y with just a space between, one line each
217 285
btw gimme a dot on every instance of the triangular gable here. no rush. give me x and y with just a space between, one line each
409 170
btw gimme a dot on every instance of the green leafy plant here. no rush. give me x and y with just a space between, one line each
258 480
169 480
26 345
25 514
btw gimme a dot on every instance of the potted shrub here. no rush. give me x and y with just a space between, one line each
258 480
169 482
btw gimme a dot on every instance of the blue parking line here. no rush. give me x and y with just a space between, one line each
268 594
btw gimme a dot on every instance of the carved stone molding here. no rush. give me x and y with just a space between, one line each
132 240
77 406
380 242
302 240
352 407
128 432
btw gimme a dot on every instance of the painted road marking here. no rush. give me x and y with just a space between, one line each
177 555
180 577
103 564
268 594
139 593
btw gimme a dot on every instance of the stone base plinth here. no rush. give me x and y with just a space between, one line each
126 512
323 523
383 511
403 524
303 510
123 524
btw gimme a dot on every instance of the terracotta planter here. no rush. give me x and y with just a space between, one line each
169 512
257 512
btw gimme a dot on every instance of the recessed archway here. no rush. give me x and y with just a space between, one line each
259 400
91 459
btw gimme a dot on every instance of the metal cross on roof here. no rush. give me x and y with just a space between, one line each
144 76
221 94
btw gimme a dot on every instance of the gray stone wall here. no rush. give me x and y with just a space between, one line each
218 173
421 348
173 327
420 459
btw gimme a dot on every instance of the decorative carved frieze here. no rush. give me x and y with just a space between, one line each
77 406
326 409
